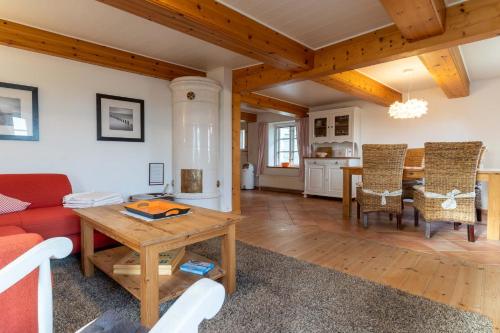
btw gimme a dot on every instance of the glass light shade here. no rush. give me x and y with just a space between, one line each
412 108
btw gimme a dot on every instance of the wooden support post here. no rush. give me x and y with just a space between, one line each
87 241
149 287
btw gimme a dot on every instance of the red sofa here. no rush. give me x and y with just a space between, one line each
45 216
13 305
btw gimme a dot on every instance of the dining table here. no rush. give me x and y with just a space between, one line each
489 176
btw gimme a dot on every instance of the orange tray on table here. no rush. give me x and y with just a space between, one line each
157 209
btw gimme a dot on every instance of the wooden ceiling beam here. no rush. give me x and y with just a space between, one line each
213 22
417 19
351 82
448 70
37 40
359 85
465 22
248 117
264 102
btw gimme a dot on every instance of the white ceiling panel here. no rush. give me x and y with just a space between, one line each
96 22
392 74
315 23
306 93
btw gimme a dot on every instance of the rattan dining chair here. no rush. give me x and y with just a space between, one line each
449 190
381 189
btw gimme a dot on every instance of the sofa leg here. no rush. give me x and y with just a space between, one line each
358 210
365 220
456 225
399 220
427 230
470 233
416 216
479 215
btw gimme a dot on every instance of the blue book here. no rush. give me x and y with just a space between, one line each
197 267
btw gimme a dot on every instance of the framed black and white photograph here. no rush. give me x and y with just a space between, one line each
120 118
18 112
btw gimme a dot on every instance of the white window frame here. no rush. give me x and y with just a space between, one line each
243 139
276 141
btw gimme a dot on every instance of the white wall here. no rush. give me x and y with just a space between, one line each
67 108
476 117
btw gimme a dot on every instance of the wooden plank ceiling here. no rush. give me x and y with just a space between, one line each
213 22
37 40
420 19
464 23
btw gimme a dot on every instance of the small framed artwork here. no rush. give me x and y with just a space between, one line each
120 118
156 173
18 112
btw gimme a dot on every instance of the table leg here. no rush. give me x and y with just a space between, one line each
87 243
150 310
493 226
347 193
228 259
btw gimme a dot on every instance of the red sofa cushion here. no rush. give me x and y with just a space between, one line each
11 219
50 221
41 190
18 304
10 230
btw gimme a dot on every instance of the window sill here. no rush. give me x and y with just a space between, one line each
280 167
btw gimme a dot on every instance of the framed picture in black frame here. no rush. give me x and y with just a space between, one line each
18 112
120 118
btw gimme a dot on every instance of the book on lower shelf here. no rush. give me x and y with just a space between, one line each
197 267
168 261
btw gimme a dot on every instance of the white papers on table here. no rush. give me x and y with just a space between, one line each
91 199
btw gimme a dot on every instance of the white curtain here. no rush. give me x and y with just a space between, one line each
302 142
263 130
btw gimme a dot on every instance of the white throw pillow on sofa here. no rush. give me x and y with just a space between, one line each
11 205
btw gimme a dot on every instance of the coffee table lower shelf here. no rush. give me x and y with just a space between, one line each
171 286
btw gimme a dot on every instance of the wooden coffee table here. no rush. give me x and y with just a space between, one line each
151 238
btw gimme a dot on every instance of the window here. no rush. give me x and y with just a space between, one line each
243 139
285 144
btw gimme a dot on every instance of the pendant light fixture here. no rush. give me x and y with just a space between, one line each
409 109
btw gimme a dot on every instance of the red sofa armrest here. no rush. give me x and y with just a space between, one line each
18 304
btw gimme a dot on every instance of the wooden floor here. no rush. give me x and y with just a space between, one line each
445 268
